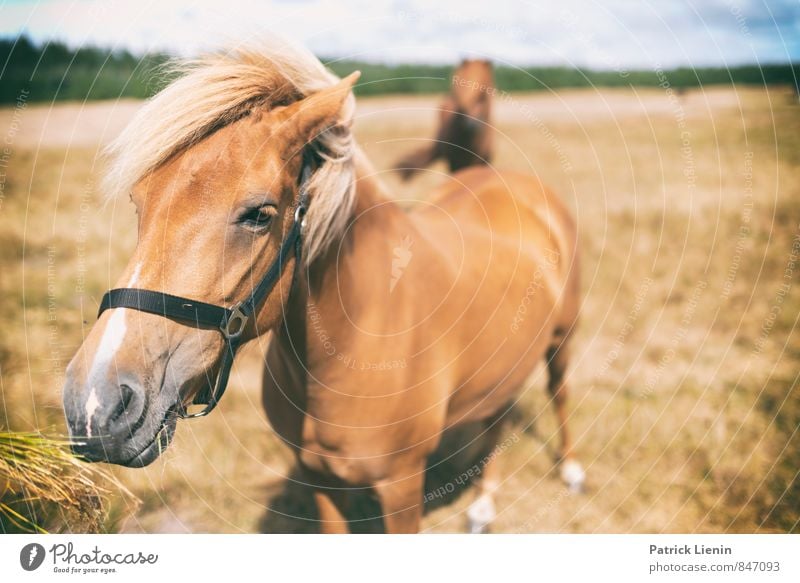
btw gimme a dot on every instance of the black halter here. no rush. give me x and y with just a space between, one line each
230 321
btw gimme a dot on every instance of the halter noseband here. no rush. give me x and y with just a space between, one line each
232 321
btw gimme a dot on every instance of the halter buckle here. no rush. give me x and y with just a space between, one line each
300 215
234 325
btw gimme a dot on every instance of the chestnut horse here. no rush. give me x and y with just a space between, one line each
464 137
394 326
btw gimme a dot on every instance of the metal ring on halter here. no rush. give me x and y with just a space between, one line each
300 215
234 325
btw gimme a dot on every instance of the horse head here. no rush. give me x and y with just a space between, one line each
213 165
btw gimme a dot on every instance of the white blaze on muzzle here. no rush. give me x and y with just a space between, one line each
110 342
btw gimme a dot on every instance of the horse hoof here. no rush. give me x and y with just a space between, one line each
475 528
573 476
481 513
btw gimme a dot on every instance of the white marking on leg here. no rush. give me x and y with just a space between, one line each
572 475
110 342
481 513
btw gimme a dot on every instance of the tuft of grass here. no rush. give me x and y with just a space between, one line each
40 475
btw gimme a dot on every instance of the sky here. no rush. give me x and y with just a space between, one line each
602 34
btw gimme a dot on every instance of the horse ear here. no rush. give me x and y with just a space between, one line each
309 117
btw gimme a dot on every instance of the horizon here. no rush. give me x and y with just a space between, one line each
329 59
573 34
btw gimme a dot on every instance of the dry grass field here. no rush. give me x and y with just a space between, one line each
685 400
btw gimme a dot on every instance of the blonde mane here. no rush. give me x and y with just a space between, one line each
218 89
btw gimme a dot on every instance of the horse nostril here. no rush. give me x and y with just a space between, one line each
126 396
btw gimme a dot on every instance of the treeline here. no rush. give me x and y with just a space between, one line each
55 72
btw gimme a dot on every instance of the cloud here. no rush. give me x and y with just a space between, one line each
611 34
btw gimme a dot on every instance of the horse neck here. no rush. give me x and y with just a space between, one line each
340 283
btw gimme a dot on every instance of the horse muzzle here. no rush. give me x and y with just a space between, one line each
115 425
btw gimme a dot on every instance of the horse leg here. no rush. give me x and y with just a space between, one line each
572 473
481 513
331 505
418 159
401 501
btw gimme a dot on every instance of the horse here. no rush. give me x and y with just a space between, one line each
259 213
464 136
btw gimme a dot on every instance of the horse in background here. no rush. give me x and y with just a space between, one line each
464 137
370 361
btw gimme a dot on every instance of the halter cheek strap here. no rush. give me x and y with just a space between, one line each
231 322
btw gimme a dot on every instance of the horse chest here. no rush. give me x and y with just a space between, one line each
347 462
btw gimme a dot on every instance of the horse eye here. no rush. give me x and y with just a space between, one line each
257 219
